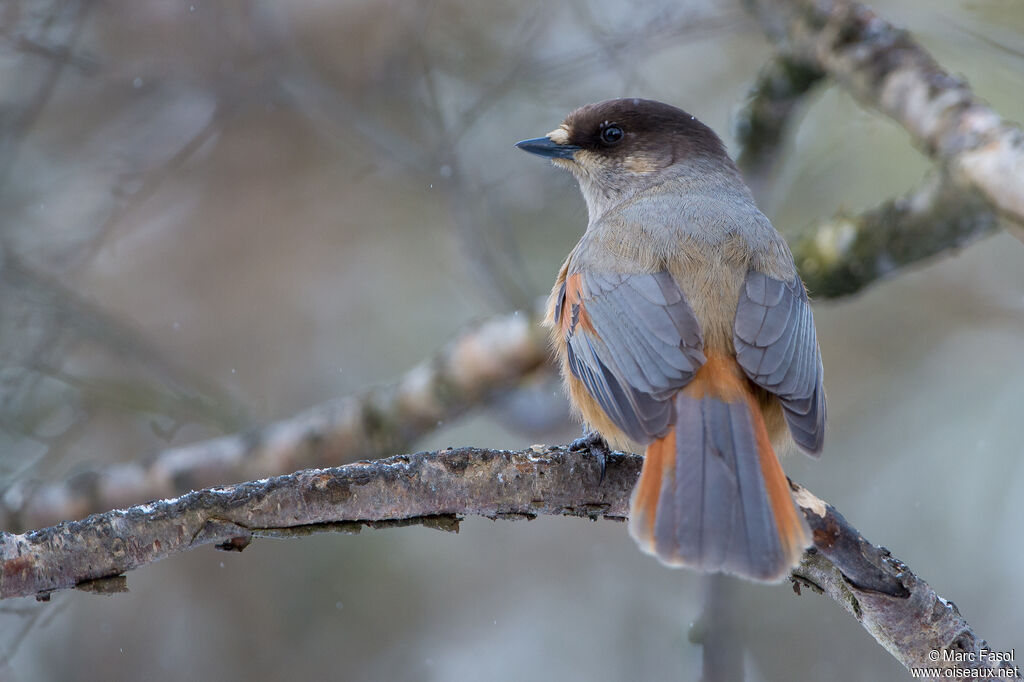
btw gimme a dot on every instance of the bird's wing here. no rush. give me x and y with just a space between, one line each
633 341
777 347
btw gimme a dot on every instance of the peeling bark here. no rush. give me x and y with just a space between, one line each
900 610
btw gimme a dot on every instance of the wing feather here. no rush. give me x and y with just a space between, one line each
777 348
633 341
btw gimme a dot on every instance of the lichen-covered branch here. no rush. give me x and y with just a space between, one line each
846 253
979 175
481 361
887 70
895 606
761 122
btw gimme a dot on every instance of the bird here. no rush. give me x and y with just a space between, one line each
682 327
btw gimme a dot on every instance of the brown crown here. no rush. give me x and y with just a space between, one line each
646 124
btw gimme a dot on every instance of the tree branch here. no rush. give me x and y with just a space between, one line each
760 125
979 156
846 253
885 68
897 608
483 360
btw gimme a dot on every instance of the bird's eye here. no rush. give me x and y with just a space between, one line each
611 134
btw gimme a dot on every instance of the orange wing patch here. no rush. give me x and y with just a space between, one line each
572 313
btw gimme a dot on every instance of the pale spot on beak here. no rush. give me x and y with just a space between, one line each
559 135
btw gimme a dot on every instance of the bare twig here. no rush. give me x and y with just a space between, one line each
895 606
149 182
67 17
481 361
196 396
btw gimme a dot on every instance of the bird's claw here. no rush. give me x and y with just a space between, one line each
595 445
589 441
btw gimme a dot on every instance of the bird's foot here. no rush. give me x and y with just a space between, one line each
593 443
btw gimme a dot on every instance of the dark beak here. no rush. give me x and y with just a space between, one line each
543 146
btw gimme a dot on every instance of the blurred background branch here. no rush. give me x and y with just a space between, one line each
482 361
765 119
979 156
898 609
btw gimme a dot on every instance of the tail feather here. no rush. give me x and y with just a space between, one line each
712 495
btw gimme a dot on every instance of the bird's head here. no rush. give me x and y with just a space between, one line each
619 147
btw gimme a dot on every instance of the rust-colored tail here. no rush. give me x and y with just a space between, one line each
712 495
